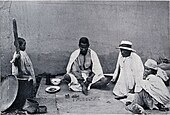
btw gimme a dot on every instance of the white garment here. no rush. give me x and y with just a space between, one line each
26 66
74 85
162 74
130 75
156 88
96 68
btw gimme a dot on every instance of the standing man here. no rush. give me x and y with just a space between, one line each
129 71
27 69
84 69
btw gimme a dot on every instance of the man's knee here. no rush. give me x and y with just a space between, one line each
67 78
105 80
101 83
108 78
98 84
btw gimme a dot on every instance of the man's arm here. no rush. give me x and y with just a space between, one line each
117 69
16 61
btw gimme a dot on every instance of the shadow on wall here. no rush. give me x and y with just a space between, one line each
54 63
57 63
108 62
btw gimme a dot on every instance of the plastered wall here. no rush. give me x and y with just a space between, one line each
52 30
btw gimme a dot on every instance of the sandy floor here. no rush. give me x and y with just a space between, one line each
99 101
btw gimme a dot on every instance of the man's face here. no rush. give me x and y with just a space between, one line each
83 48
125 53
147 72
23 46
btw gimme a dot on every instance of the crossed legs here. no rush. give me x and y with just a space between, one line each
84 84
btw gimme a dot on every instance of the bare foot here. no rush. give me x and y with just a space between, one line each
84 89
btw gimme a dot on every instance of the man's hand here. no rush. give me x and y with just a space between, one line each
30 78
90 77
16 56
80 79
113 80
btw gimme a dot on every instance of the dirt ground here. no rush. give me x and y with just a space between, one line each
98 101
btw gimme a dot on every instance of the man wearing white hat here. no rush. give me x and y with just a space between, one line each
129 71
154 93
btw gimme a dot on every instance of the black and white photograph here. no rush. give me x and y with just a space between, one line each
93 57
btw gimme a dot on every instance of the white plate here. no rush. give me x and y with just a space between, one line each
52 89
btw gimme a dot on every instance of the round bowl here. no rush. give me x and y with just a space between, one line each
55 81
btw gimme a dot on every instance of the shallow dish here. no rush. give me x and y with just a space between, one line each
52 89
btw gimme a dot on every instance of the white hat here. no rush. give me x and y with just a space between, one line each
127 45
152 64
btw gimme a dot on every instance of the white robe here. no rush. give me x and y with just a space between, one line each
97 69
156 88
162 74
130 75
26 66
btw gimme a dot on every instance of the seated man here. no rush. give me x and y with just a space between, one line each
154 93
129 71
164 70
25 63
84 69
163 74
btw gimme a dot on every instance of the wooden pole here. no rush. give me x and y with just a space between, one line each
16 43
